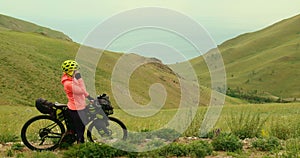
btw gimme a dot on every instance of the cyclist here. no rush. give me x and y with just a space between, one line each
76 93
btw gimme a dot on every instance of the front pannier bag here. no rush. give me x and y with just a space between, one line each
105 104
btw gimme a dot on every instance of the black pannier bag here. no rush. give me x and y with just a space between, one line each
45 106
105 104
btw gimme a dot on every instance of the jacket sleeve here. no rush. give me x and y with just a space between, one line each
76 88
82 86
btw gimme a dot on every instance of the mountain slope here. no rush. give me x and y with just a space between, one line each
23 26
265 62
30 68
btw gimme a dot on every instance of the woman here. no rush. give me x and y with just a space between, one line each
76 93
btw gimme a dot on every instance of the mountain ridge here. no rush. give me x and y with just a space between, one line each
24 26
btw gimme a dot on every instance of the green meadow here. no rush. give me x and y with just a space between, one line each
13 117
277 120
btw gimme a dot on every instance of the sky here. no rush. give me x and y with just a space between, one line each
223 19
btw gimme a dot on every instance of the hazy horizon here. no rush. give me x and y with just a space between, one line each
223 20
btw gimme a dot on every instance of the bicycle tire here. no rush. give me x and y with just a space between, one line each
35 137
117 128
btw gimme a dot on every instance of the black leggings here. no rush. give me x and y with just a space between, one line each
78 121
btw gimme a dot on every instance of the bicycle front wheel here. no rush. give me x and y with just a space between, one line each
42 133
107 131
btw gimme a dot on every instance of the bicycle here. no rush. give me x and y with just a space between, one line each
46 132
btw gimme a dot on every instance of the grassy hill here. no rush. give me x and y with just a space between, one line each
265 62
30 68
23 26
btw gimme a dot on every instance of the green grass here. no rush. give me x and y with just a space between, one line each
266 111
23 26
12 119
30 69
265 61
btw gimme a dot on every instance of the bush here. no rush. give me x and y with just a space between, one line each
125 148
267 144
200 149
251 96
246 125
93 150
195 149
174 149
90 150
227 142
44 154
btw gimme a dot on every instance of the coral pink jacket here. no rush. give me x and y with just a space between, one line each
75 91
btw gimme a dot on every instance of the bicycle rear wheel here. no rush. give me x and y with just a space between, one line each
113 131
42 133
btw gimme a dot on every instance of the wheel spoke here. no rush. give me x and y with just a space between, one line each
114 131
42 133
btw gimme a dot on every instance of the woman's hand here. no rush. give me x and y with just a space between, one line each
77 74
91 99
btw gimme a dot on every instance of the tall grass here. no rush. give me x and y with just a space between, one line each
285 128
292 148
246 124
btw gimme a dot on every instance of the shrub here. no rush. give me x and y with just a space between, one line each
93 150
195 149
266 144
125 148
200 149
43 154
227 142
246 125
90 150
174 149
251 96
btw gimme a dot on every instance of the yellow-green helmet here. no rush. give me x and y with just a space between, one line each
69 66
